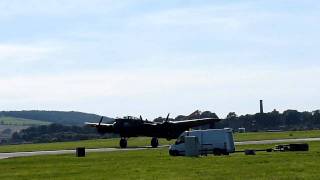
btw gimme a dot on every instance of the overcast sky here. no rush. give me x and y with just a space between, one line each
133 57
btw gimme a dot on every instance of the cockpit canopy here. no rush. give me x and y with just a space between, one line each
130 117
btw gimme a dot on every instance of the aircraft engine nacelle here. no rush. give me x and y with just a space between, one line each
104 129
101 131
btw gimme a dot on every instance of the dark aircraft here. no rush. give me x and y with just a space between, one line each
132 127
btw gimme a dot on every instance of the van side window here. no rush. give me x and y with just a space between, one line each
180 140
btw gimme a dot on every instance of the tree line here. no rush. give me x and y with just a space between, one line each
288 120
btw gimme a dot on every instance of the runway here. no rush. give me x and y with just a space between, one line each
36 153
56 152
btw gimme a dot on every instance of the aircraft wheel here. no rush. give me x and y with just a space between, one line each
123 143
154 142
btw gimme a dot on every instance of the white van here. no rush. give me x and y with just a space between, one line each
211 141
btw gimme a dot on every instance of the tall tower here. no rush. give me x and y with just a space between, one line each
261 107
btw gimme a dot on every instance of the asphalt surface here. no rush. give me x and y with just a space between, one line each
55 152
35 153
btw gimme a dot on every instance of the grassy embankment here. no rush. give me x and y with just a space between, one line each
142 141
157 164
21 121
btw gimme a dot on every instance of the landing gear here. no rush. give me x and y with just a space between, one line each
123 142
154 142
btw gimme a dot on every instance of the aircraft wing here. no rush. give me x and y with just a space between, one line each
97 124
195 122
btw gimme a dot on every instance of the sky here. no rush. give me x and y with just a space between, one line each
150 58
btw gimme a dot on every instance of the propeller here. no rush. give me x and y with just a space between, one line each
100 121
167 119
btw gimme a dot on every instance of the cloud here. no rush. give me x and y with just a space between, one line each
191 17
70 86
206 18
156 84
22 53
15 8
153 92
214 55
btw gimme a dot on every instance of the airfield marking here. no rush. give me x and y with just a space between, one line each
35 153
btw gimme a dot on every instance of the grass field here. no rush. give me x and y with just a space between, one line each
157 164
97 143
142 141
21 121
276 135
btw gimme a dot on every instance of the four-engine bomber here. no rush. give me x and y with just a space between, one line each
132 127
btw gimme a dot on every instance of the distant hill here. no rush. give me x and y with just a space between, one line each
21 121
60 117
55 133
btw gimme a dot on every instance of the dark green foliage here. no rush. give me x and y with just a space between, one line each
292 117
195 115
181 117
61 117
288 120
208 114
55 133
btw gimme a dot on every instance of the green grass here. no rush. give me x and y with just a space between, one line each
276 135
21 121
143 141
157 164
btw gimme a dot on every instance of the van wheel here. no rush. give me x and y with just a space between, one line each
173 153
225 153
216 152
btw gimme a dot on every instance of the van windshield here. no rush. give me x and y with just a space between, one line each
180 140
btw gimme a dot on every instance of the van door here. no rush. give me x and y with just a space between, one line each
230 142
